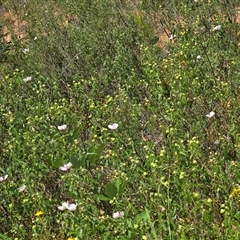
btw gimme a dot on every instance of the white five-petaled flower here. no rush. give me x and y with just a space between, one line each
199 57
118 214
2 179
25 50
113 126
71 207
27 79
210 115
66 167
64 206
172 36
216 28
22 188
62 127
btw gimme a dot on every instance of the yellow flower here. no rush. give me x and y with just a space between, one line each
235 191
38 213
209 200
71 238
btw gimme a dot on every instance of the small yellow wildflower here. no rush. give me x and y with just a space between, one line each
71 238
209 200
222 211
195 194
135 226
38 213
235 191
238 34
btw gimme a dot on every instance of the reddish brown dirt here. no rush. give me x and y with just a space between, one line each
162 39
14 24
237 19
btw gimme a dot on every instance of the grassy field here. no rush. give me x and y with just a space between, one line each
120 120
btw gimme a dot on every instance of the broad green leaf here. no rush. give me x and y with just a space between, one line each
118 183
91 150
75 161
91 158
76 134
122 187
99 150
111 190
69 139
143 216
57 162
103 197
91 155
82 159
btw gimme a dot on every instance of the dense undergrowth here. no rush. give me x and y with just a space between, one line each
167 73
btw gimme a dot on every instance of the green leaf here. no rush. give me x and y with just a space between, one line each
70 194
82 160
57 163
99 150
143 216
76 134
118 183
91 150
4 237
75 161
103 197
111 190
122 187
71 137
91 155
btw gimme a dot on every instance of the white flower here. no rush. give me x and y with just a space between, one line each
118 214
66 167
195 0
62 127
172 36
22 188
27 79
35 38
25 50
199 57
113 126
210 115
2 179
64 206
61 208
71 207
216 28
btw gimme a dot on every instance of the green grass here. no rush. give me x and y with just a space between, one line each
173 171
